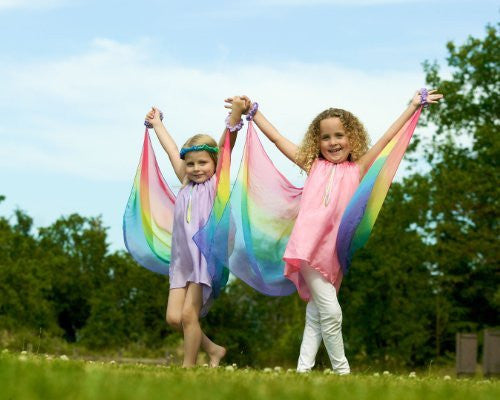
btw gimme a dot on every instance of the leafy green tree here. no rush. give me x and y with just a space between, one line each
75 248
465 193
387 295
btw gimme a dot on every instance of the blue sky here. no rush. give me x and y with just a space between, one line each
77 77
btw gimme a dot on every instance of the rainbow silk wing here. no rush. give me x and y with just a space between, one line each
363 209
149 214
213 239
251 232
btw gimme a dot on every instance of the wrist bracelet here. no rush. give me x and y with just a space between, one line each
234 128
253 111
149 124
423 97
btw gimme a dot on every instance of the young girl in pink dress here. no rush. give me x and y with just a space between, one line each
190 293
334 154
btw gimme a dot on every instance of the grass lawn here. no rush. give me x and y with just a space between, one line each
25 376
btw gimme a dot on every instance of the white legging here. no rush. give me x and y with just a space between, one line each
323 321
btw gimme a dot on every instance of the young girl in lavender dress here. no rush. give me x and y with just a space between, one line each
335 155
190 292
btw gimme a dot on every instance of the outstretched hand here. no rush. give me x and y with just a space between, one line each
238 104
432 97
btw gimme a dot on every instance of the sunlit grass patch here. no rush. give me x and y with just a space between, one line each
25 376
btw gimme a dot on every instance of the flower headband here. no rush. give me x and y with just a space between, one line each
200 147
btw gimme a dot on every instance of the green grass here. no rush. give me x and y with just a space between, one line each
26 377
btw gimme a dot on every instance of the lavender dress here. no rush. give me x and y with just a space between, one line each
192 209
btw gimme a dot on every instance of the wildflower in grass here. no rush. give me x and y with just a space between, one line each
277 369
412 374
268 370
229 368
447 377
327 371
64 357
376 374
386 373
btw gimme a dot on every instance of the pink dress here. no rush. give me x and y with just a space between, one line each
327 191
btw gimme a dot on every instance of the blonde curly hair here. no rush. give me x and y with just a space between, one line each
309 149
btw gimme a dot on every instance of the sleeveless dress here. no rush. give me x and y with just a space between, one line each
192 209
327 191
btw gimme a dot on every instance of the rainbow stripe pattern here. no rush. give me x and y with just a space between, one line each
256 222
362 211
149 214
213 239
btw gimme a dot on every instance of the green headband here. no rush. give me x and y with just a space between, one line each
200 147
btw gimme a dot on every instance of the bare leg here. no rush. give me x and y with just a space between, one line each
175 305
191 324
177 300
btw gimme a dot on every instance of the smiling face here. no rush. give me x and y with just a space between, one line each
199 166
333 140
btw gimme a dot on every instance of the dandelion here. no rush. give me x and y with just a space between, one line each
112 362
412 374
230 368
376 374
268 370
64 357
24 352
386 373
22 357
277 369
205 365
234 365
447 377
327 371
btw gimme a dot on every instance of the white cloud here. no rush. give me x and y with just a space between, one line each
83 115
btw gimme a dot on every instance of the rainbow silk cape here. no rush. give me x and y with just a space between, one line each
258 219
149 215
214 239
259 216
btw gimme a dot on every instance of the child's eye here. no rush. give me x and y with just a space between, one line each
189 164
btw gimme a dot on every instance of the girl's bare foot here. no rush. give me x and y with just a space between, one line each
216 354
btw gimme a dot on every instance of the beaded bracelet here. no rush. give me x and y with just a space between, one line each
149 124
423 97
253 111
234 128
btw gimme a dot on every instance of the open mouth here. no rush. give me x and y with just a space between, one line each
334 150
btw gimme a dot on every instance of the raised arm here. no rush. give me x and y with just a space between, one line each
367 159
237 105
287 147
153 117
